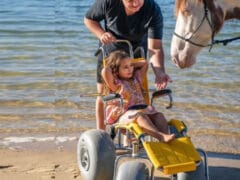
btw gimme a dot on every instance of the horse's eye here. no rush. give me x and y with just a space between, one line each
185 12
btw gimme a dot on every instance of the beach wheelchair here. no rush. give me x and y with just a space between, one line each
104 155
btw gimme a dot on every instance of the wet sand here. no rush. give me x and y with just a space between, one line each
48 160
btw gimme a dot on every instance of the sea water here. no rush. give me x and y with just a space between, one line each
48 84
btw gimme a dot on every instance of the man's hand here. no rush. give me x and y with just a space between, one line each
107 38
161 80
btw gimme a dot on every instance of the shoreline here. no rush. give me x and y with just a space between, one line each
52 160
54 140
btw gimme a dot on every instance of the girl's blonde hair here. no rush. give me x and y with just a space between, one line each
114 59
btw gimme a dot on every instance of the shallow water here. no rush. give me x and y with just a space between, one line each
47 75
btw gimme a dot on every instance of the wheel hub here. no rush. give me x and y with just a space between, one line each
85 159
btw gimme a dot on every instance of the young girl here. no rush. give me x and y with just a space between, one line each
125 78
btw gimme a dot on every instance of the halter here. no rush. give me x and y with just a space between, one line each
224 42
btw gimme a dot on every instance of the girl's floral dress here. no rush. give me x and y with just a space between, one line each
132 93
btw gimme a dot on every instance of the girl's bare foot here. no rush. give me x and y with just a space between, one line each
168 137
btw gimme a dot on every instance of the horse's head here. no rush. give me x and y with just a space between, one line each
193 31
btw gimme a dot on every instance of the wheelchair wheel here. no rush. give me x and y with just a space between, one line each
96 155
132 170
198 174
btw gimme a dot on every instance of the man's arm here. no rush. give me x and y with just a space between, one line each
96 28
156 55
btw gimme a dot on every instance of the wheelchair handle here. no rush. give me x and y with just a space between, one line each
101 48
113 96
110 97
163 92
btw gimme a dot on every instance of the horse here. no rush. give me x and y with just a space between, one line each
197 22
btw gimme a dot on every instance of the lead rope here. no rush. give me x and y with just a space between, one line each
226 41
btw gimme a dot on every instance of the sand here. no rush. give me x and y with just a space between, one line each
49 160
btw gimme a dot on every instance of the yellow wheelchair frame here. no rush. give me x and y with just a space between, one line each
179 158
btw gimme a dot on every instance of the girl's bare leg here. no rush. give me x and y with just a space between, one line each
160 122
146 124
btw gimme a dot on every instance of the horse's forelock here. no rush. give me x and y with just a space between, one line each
180 5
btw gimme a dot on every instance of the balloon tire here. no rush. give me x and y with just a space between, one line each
96 155
132 170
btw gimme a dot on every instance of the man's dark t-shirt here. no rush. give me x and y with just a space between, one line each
146 23
133 28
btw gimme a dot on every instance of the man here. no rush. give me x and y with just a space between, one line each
133 20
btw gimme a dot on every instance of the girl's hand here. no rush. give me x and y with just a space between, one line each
107 38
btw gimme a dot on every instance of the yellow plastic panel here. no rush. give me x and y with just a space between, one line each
177 124
132 127
178 156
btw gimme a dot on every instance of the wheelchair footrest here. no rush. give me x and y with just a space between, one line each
177 156
182 167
